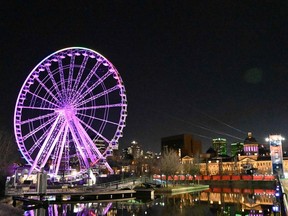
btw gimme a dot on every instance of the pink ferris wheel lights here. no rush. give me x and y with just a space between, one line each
71 100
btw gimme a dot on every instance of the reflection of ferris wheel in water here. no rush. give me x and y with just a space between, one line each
71 100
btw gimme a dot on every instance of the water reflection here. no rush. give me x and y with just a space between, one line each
215 201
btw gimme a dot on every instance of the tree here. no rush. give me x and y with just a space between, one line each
191 168
9 157
169 164
9 152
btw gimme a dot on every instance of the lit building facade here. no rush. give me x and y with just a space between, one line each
220 146
235 168
251 146
236 148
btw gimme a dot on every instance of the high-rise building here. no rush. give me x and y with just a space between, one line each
183 144
236 148
220 146
135 150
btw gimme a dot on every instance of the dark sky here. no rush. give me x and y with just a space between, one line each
212 68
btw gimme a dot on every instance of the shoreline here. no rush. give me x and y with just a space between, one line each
181 189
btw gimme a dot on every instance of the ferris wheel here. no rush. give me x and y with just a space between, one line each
70 112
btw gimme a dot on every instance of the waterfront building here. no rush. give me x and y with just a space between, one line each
220 146
239 167
187 160
251 146
183 144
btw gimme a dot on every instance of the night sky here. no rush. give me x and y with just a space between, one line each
212 69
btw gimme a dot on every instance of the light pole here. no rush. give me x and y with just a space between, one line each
122 173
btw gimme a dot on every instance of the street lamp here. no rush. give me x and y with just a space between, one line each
122 173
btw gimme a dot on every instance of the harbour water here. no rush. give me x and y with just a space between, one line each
215 201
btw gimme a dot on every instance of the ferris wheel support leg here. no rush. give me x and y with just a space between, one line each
109 168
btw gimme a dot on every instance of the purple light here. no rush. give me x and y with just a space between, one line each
72 97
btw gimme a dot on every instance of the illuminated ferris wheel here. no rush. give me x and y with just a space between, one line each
71 100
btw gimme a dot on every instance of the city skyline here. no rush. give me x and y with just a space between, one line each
211 70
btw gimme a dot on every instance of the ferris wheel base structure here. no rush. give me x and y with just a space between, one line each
70 101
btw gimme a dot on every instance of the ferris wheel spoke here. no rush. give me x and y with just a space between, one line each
96 132
42 126
78 144
53 81
71 71
58 154
37 108
37 118
107 91
99 119
47 90
50 148
94 85
82 67
90 75
43 99
45 146
88 143
100 107
60 67
38 142
86 138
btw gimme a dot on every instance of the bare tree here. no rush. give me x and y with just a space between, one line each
9 152
9 157
192 168
169 164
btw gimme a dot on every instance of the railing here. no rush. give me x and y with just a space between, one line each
68 188
127 182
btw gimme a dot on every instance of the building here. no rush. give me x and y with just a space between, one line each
100 144
263 167
250 148
220 146
236 148
135 150
184 144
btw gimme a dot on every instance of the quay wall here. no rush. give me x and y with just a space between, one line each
212 178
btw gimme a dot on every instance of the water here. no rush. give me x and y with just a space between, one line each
215 201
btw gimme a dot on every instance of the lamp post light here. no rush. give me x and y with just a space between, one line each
122 173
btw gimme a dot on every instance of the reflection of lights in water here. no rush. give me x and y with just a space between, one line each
184 201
